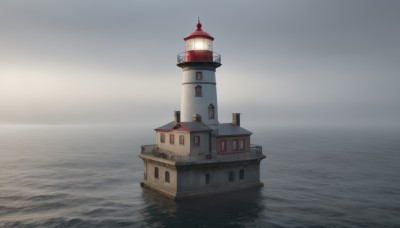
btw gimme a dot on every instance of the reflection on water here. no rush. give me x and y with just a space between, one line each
238 208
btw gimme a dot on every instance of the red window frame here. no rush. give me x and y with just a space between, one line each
235 145
162 137
242 144
171 139
181 140
222 145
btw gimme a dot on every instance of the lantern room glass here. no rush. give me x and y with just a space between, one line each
198 44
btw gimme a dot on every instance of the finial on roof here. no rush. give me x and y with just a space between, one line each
198 23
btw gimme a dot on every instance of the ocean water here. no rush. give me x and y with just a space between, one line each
88 176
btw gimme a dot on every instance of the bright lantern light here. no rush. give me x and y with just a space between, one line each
199 44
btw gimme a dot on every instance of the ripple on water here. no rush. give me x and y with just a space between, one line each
82 178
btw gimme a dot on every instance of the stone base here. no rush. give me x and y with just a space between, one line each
199 193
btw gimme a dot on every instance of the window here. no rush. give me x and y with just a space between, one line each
167 177
231 176
181 140
196 140
223 145
241 144
156 172
207 178
162 137
199 75
198 92
211 112
235 144
241 174
171 139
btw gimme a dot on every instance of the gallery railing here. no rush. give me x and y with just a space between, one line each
254 153
199 56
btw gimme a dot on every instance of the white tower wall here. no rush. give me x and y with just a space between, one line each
191 104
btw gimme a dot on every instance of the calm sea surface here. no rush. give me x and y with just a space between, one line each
80 176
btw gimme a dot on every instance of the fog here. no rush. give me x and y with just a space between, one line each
314 63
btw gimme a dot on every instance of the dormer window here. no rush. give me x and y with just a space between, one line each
197 91
211 111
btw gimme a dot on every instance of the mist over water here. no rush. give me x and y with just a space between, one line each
285 63
88 176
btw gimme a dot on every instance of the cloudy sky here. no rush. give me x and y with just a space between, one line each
284 62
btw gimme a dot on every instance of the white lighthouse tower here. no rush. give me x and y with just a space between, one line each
194 154
199 90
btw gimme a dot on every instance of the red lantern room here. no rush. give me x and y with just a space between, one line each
199 48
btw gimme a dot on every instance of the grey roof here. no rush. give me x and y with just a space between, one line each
196 126
192 126
228 129
167 126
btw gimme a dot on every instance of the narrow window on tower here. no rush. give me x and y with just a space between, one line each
198 92
199 75
211 112
171 139
207 178
181 140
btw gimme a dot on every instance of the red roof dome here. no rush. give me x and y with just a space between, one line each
198 33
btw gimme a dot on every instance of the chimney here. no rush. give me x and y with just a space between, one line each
236 119
196 118
177 116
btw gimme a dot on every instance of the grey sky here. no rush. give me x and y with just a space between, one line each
284 62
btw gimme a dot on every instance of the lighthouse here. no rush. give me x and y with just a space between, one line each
195 155
199 87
